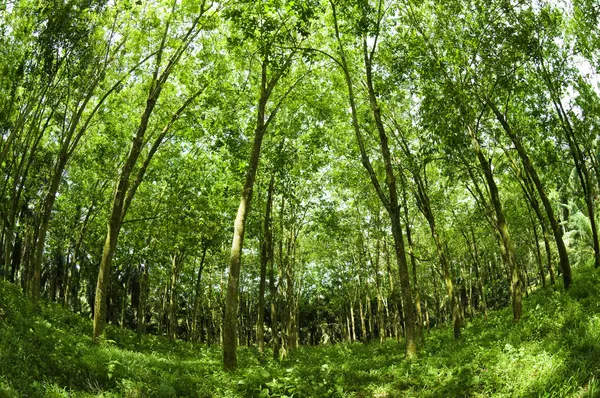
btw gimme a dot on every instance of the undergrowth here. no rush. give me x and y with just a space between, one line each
554 351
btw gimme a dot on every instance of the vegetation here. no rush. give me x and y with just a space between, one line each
553 351
387 168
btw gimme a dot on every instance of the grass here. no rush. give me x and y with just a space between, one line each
554 351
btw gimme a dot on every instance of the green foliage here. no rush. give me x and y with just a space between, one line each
553 352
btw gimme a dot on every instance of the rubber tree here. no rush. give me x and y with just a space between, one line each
421 191
276 41
574 142
125 188
73 131
466 125
265 257
390 200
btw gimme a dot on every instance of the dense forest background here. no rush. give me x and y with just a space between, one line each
387 167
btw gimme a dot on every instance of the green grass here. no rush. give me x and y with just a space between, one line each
554 351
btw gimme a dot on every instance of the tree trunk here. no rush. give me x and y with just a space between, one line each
141 310
425 207
391 203
478 275
380 319
198 296
538 253
532 172
352 322
361 313
273 300
231 304
125 189
413 262
265 252
176 260
502 228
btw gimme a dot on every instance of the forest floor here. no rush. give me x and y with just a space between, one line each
554 351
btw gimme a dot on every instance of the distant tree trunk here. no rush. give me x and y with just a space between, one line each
394 296
478 274
176 260
163 308
281 302
273 300
528 191
380 321
198 296
424 205
71 266
502 228
352 322
413 262
141 310
369 310
290 317
363 329
265 252
538 252
349 329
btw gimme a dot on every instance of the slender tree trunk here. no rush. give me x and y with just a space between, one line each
363 329
198 296
369 310
532 172
380 319
478 275
391 203
141 311
265 252
289 283
538 253
413 262
273 302
549 255
176 260
349 330
502 228
425 207
45 220
229 322
352 322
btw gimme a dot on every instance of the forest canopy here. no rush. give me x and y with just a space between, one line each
283 173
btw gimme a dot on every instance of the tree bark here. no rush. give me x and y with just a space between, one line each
532 172
265 253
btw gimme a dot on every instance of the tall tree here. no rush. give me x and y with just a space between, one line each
125 188
389 201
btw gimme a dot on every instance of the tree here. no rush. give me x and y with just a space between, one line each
125 189
270 33
390 202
